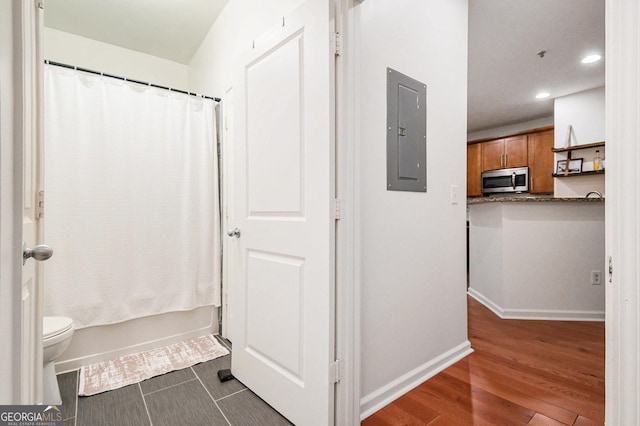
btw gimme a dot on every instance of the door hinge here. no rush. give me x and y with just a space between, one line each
40 205
337 43
336 209
335 371
40 4
610 268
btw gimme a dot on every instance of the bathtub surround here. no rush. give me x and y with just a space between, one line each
134 368
132 181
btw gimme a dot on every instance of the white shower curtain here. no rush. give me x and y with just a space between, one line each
131 193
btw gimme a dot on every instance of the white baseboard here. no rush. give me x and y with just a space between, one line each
378 399
529 314
536 314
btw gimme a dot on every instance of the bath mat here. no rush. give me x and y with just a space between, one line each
134 368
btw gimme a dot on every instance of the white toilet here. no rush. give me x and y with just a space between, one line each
56 335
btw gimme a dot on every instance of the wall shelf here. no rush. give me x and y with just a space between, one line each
589 172
569 150
573 148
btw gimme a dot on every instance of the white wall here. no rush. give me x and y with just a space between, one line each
212 67
95 55
585 112
413 271
534 259
510 129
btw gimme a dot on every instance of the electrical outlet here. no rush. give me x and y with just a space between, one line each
596 278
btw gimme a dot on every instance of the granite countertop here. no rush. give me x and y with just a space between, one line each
530 199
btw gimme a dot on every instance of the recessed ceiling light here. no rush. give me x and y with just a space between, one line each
591 59
543 95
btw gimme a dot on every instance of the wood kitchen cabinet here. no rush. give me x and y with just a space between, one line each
532 149
505 153
474 170
541 164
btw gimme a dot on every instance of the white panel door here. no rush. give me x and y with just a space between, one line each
283 294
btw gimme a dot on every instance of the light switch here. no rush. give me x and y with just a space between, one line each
454 194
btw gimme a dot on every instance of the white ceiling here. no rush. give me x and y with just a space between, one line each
505 73
169 29
504 36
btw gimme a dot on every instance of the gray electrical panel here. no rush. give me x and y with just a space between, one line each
406 133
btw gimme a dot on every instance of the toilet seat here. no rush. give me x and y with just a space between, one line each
54 326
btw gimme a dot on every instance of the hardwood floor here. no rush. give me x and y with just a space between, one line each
522 372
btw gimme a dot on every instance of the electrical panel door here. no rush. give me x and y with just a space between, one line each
406 133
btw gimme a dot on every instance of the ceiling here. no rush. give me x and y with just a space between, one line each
505 72
169 29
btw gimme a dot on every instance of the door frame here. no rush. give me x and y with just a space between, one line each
226 186
19 106
347 250
622 214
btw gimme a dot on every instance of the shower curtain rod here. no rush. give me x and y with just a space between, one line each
73 67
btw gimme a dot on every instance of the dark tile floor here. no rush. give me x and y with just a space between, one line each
192 396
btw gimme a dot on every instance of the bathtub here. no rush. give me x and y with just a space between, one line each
94 344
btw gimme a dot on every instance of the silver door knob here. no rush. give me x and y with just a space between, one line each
41 252
234 232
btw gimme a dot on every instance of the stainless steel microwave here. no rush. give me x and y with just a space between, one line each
506 180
